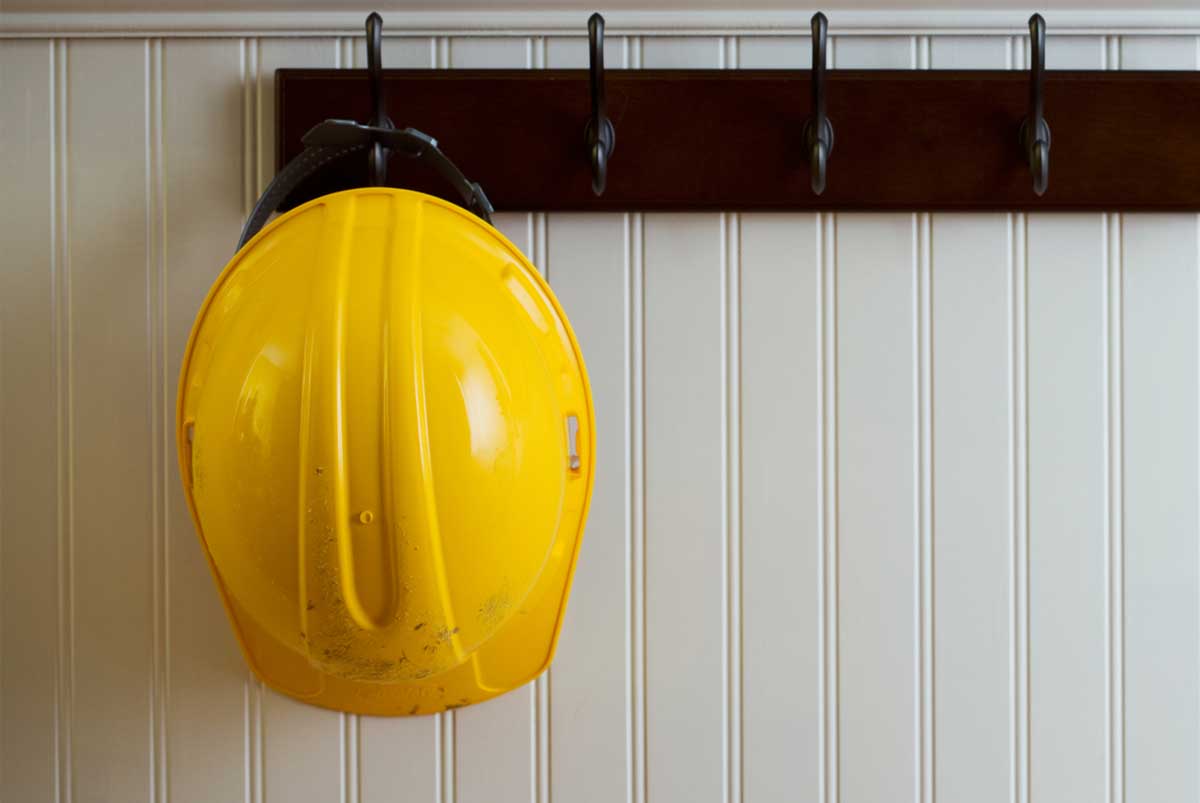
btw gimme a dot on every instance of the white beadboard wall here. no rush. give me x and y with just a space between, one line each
890 507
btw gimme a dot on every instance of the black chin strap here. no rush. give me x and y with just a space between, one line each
334 140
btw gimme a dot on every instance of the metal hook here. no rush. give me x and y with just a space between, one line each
1035 131
379 154
818 130
601 136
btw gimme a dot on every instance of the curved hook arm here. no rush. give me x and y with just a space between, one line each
601 136
378 157
375 67
1035 131
596 63
818 131
820 27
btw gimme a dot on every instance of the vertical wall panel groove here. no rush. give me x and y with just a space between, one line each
1020 491
925 524
732 459
830 785
160 441
732 445
1018 633
1021 669
923 387
4 541
923 429
250 145
828 502
351 769
1115 515
444 731
636 312
1115 491
64 391
264 139
635 307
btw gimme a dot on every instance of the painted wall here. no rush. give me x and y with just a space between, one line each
894 507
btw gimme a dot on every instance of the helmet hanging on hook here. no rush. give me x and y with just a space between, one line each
386 437
818 130
601 135
1035 131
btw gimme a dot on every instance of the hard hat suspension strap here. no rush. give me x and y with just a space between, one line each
334 140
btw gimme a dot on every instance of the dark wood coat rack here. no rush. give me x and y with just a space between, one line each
736 139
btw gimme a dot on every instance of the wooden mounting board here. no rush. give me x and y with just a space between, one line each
731 139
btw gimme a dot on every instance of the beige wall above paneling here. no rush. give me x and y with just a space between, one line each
897 507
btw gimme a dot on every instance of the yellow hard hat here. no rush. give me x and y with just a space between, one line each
385 434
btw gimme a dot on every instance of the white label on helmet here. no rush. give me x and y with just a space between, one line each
573 442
